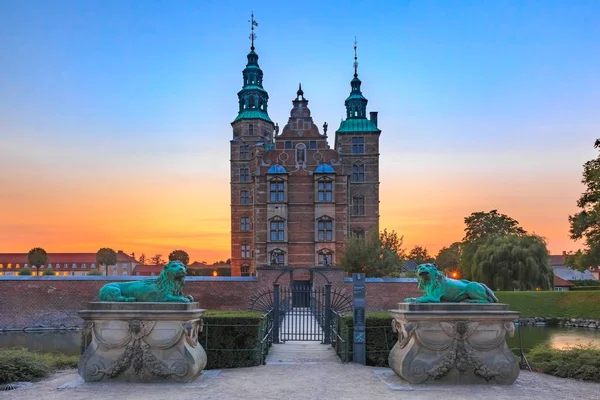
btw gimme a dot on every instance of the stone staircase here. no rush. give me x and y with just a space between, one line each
294 353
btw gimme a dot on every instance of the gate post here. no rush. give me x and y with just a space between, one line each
327 311
276 305
359 354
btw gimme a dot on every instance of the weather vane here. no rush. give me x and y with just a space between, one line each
253 23
355 59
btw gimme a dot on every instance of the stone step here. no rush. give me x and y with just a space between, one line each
299 352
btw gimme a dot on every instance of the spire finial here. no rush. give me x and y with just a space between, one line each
253 23
300 93
355 59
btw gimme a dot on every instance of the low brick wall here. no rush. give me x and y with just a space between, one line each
53 302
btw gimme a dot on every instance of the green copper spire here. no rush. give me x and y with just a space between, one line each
253 98
356 106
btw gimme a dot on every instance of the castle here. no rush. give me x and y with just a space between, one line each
294 200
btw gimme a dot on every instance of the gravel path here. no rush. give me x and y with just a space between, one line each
302 381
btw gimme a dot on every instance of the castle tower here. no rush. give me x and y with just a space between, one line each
251 128
357 141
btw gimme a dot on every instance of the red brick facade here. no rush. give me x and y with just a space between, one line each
52 302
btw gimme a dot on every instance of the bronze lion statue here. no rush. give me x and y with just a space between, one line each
166 288
440 289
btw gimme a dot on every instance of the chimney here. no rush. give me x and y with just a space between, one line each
564 253
373 117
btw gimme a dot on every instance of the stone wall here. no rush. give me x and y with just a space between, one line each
53 302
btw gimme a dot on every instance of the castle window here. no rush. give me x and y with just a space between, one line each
358 145
74 266
325 229
18 265
359 233
250 129
288 144
276 190
9 266
358 205
277 258
244 197
245 270
325 190
312 145
245 251
358 172
83 266
325 258
277 230
300 153
244 175
245 224
244 152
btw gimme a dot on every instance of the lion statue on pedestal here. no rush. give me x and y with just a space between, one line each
166 288
440 289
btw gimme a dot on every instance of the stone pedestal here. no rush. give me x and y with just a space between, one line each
453 343
142 342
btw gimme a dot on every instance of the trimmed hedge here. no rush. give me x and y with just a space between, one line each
581 363
580 288
584 282
567 304
379 336
19 364
232 339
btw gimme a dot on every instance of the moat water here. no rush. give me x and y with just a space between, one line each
69 342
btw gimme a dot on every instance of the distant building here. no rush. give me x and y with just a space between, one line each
66 264
294 199
194 269
561 284
561 270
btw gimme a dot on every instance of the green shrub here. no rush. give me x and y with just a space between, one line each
565 304
581 363
48 271
584 282
232 339
583 288
379 336
25 271
94 272
19 364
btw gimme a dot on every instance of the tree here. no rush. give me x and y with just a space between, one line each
142 259
420 255
37 257
48 272
375 254
25 271
179 255
94 272
448 258
479 227
157 259
105 257
585 225
513 262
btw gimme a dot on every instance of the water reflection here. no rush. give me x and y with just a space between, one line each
556 337
66 342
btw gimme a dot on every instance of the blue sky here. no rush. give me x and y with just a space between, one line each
496 100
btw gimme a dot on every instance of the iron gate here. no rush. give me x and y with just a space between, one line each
301 312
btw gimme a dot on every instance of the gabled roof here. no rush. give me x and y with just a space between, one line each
560 282
66 258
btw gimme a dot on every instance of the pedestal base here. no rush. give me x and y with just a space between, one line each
453 343
142 342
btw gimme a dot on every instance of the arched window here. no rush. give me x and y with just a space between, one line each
358 205
276 190
277 258
277 229
358 172
325 229
325 258
324 190
245 270
300 153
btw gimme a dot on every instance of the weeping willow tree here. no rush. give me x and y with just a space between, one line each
513 262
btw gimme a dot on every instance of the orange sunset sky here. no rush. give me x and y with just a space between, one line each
115 118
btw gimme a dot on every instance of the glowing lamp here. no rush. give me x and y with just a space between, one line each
215 273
